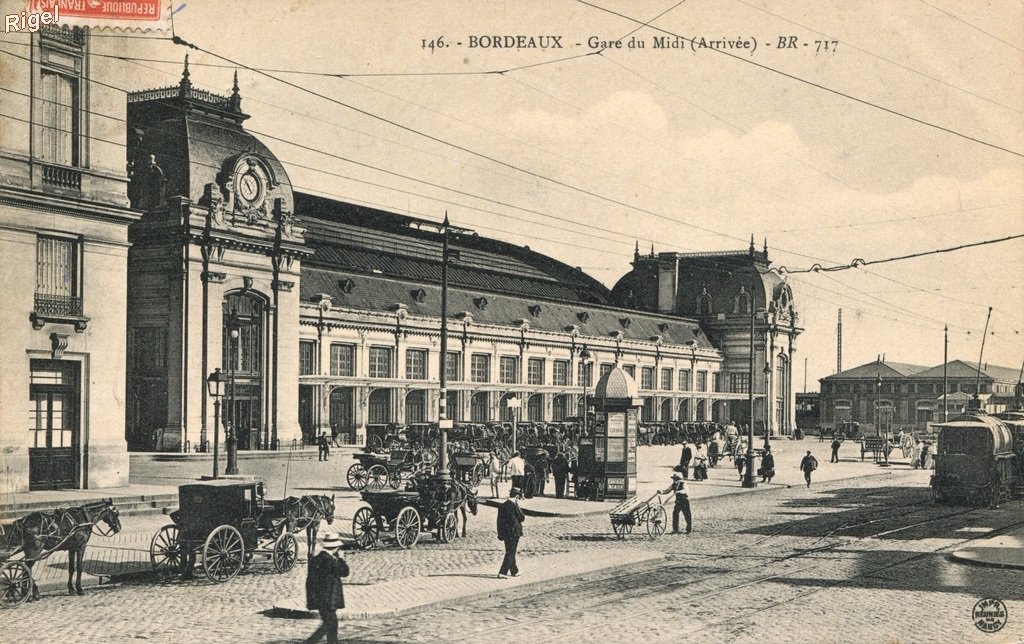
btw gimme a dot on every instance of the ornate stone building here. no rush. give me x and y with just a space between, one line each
64 221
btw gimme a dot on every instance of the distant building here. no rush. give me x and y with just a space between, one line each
64 221
808 410
896 395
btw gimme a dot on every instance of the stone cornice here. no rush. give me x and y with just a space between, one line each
32 200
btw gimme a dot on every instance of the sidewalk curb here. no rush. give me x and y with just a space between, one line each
966 556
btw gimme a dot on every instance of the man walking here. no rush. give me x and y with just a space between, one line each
835 450
323 587
808 465
325 447
682 503
685 458
510 529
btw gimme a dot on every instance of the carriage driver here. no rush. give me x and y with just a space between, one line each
682 503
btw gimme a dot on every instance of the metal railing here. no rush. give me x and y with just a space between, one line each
62 177
57 305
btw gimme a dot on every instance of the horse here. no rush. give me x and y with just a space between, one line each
461 496
308 511
40 534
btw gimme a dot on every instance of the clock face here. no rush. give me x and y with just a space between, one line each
249 187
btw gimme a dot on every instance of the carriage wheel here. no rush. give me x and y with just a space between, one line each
449 529
374 444
223 554
286 552
15 584
622 529
356 476
477 475
364 527
656 522
407 527
376 478
165 551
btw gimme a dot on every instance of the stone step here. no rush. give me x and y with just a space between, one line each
126 506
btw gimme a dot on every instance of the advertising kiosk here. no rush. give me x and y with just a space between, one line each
607 460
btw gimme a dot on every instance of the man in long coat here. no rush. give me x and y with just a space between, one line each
510 529
324 591
560 469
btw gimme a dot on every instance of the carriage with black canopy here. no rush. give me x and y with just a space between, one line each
222 525
430 506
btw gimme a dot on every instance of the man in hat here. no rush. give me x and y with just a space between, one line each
808 464
323 587
682 503
510 529
517 470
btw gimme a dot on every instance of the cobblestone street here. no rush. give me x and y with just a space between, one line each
853 559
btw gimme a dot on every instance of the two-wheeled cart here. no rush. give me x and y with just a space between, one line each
636 511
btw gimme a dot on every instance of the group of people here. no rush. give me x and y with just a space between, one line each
530 478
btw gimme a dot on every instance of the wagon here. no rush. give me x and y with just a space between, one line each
362 475
470 467
403 514
223 524
635 511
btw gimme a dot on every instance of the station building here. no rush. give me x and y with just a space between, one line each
894 396
323 315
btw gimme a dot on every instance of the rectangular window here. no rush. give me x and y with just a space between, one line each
508 370
58 277
59 118
343 360
684 380
584 373
739 383
716 381
560 373
702 381
666 379
647 378
630 370
415 364
453 367
307 358
480 368
380 362
606 368
535 371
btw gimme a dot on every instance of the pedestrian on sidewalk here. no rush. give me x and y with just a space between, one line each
517 470
684 459
915 454
740 457
324 591
835 450
560 470
808 464
700 463
324 447
510 529
540 473
767 466
494 471
682 505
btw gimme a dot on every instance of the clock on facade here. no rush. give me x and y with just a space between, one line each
250 187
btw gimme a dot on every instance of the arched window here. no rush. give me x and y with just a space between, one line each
704 303
479 410
742 303
243 357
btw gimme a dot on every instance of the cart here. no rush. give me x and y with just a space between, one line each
404 514
363 475
470 467
632 512
226 523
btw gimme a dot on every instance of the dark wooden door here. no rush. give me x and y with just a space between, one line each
54 424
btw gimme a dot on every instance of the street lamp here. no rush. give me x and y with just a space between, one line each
748 474
585 360
878 405
232 439
215 388
767 416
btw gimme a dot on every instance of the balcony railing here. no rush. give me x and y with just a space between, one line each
62 177
58 305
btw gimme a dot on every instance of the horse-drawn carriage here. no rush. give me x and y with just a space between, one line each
431 507
375 471
38 535
228 522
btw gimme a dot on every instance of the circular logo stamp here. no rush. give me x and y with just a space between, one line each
989 615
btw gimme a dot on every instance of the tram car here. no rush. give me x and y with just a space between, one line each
977 459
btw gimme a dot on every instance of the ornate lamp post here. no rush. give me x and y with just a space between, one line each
767 415
232 439
584 373
878 405
215 388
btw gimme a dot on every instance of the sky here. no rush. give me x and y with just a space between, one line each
903 135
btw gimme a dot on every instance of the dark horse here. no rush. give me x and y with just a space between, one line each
461 496
40 534
307 512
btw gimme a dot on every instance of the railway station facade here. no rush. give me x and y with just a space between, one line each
324 315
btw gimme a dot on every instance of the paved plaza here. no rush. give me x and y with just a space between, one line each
863 555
